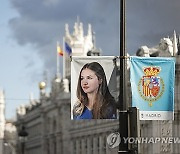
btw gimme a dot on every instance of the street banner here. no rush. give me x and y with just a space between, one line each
152 85
107 62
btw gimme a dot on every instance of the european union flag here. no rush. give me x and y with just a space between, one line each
68 48
152 85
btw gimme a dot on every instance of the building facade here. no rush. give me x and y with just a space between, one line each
7 130
79 44
50 130
2 120
167 47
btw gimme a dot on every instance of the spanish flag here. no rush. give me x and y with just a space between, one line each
59 51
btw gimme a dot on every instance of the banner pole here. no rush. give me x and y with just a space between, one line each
123 114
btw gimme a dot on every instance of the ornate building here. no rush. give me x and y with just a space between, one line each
7 130
162 129
80 45
50 130
48 121
2 120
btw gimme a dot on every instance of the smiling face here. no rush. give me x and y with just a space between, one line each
89 81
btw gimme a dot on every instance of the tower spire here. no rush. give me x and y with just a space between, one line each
78 20
175 49
2 119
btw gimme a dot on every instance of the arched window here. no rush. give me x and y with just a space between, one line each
54 125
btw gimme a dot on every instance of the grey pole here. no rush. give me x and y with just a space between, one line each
123 115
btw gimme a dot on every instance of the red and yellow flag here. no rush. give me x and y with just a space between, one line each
59 51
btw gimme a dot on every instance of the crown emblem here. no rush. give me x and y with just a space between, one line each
151 71
151 86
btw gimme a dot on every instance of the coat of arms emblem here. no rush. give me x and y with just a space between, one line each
151 86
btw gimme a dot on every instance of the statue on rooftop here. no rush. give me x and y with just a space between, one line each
164 48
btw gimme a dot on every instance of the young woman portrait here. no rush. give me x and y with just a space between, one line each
94 99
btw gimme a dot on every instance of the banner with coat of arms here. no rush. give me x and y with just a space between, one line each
152 85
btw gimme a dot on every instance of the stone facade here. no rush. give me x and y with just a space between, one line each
164 128
50 130
81 45
47 121
2 120
7 130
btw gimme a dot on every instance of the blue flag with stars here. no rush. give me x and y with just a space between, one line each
152 85
68 48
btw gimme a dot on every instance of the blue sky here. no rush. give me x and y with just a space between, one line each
29 30
14 59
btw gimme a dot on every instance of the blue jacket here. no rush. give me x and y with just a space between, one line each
87 114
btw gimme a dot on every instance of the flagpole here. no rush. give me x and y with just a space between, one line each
57 62
64 57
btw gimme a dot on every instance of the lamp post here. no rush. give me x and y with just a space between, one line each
22 136
123 115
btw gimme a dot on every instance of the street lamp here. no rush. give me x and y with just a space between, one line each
123 115
22 137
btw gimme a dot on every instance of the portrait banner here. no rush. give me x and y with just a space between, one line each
107 62
152 85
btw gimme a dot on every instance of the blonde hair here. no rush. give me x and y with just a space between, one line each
78 108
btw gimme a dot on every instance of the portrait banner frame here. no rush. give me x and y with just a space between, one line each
107 62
